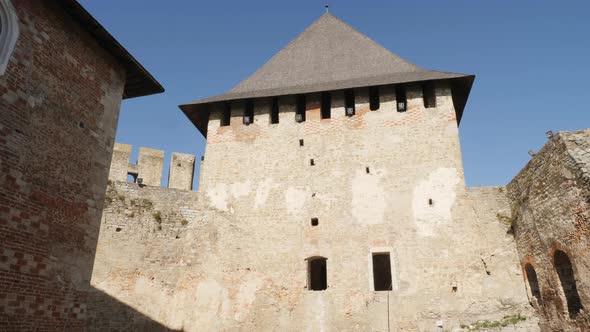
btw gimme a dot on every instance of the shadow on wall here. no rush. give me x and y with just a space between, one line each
106 313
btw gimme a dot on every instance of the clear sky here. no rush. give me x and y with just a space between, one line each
531 59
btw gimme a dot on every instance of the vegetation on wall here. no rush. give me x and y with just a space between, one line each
486 324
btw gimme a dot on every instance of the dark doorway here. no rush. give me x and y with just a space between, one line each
317 274
531 276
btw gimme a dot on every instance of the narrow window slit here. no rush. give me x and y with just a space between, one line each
274 112
454 289
226 114
429 95
400 98
311 162
430 202
382 272
301 143
300 110
249 112
374 102
326 105
368 170
349 102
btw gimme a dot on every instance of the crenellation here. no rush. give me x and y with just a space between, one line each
338 109
387 101
262 109
262 126
120 162
151 164
287 110
182 168
149 167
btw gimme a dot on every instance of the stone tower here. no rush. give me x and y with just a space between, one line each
331 198
337 170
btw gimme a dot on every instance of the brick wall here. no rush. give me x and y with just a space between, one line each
551 210
59 102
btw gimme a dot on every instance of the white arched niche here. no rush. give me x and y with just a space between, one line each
8 33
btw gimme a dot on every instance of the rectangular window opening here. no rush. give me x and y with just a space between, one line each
300 111
317 274
349 102
301 142
274 112
315 221
374 102
226 115
312 162
382 272
400 98
429 95
249 112
326 105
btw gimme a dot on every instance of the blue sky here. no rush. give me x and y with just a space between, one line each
531 58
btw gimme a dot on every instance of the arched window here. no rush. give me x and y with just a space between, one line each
8 33
531 276
317 279
564 269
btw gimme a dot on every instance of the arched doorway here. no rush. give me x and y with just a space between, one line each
531 276
563 267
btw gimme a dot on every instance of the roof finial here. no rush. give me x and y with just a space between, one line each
327 6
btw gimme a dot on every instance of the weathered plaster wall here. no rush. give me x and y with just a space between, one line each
240 264
551 200
59 106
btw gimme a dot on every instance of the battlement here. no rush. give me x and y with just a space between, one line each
149 167
319 112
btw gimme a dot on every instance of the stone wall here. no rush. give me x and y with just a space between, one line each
551 200
380 182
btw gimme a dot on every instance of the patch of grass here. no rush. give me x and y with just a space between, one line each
146 203
157 216
108 199
184 222
486 324
511 220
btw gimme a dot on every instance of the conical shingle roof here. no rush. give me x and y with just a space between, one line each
328 55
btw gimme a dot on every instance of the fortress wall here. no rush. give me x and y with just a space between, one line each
145 248
551 210
381 181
